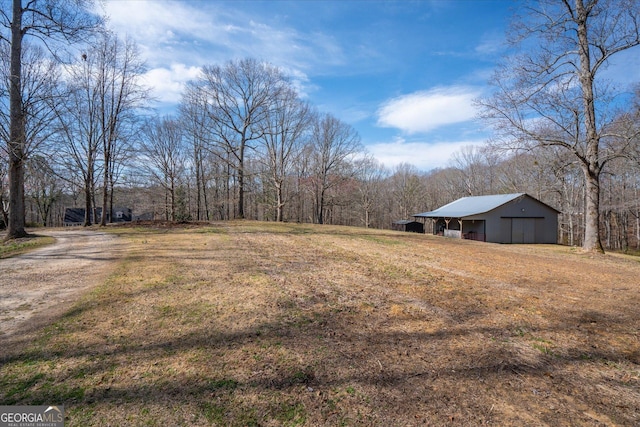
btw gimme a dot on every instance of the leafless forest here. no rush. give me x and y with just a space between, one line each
79 130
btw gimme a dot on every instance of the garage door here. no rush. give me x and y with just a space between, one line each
523 230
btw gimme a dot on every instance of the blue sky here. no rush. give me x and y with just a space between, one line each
402 73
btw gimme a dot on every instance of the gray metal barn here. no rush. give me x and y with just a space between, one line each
504 218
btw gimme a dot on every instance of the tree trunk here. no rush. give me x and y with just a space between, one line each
173 199
111 198
105 194
204 198
320 207
607 218
198 185
366 218
16 225
5 211
279 203
93 199
638 229
241 183
166 203
87 200
592 217
571 239
592 166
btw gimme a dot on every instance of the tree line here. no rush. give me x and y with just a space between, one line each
79 131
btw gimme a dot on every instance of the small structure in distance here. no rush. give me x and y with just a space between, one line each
75 216
406 225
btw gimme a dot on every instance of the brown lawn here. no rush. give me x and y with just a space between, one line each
264 324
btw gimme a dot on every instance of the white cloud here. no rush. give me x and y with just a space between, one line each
154 19
168 83
425 111
300 81
164 31
491 43
207 33
421 154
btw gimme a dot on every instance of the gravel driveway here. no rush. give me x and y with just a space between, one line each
37 286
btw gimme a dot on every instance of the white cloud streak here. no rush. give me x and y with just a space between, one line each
424 111
421 154
167 83
491 43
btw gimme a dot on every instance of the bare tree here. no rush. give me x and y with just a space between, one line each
301 181
370 175
551 93
43 186
441 186
239 97
50 21
334 145
406 189
80 126
477 168
285 126
40 76
197 127
117 70
164 158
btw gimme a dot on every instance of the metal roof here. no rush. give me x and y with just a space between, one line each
468 206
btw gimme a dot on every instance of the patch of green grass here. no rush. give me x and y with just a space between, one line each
18 390
541 340
223 384
226 413
382 240
214 413
247 418
211 230
81 415
290 414
56 392
303 376
542 345
542 348
15 247
520 331
35 388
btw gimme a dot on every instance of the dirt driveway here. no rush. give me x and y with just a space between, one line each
37 286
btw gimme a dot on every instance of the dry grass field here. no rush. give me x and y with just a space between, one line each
264 324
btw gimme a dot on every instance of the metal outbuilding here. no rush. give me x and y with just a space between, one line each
502 218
